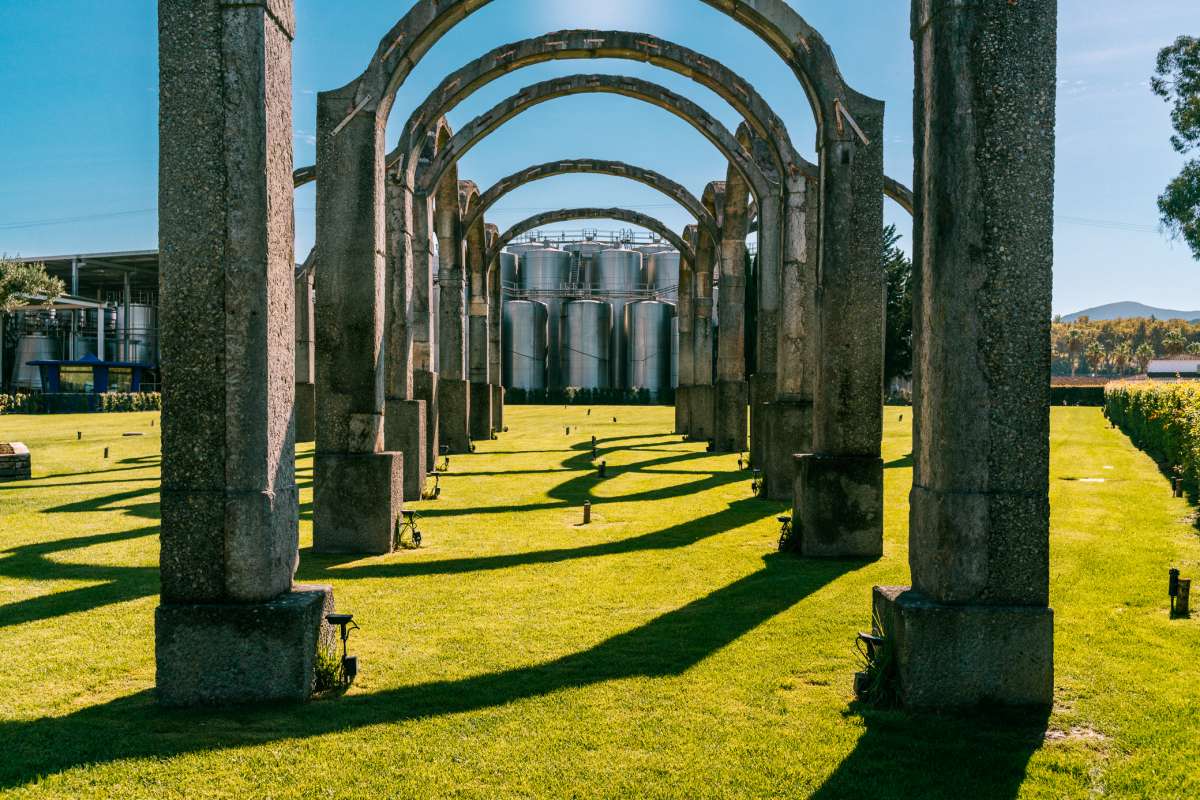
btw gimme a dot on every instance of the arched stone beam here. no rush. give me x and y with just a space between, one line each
567 214
595 166
636 88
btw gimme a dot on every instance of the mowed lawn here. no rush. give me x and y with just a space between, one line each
665 650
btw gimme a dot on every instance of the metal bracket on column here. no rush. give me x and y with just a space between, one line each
361 105
840 113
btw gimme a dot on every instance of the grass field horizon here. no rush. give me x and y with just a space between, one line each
665 650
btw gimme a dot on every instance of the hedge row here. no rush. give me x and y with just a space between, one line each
1077 396
1161 418
597 397
79 403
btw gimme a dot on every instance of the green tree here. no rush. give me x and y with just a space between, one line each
1075 346
1177 80
1122 356
1174 342
19 279
897 268
1096 355
1144 355
1193 349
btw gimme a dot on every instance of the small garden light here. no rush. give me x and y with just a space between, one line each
756 483
785 531
349 663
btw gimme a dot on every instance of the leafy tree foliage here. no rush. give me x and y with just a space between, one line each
1117 347
897 267
1177 80
19 279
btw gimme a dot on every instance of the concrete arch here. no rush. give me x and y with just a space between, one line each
596 166
708 126
567 214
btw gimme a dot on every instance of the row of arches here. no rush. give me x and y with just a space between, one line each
393 378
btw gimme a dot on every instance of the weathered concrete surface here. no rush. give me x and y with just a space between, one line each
495 343
425 389
216 654
702 397
404 430
787 426
702 402
17 465
454 414
306 370
481 411
357 500
761 387
838 510
685 311
732 393
229 499
731 433
966 655
976 627
497 407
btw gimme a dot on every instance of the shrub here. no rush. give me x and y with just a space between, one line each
1077 396
79 403
1161 418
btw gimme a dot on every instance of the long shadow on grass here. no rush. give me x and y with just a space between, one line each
112 584
983 755
134 727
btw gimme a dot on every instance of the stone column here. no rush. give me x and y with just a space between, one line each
685 310
404 415
422 325
731 391
359 485
495 312
231 627
975 626
839 485
454 392
789 414
306 372
703 394
479 336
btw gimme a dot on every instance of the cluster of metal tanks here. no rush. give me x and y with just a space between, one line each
591 317
69 335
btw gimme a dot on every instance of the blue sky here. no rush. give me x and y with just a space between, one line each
78 145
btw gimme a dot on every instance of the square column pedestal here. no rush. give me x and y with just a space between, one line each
306 412
358 498
497 407
425 388
838 510
480 410
214 654
965 655
683 415
761 387
454 414
786 431
702 405
404 433
731 418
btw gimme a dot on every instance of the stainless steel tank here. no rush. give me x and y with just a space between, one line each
616 276
648 250
544 275
586 334
523 329
662 274
508 272
143 334
648 359
583 253
33 347
674 349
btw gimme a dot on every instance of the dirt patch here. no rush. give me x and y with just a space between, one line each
1077 733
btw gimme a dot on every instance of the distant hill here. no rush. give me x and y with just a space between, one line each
1128 310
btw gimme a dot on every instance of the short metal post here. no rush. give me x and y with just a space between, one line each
587 512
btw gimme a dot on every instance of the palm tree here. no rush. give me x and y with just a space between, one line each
1174 343
1096 355
1122 356
1075 340
1144 355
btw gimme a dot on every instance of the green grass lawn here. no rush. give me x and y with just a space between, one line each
665 650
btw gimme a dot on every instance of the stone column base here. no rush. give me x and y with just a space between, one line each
761 388
404 433
731 418
222 654
838 510
454 414
702 402
17 465
959 656
357 501
306 412
425 387
497 407
683 412
481 411
787 430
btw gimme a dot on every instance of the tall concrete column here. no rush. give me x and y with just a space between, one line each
404 415
731 391
359 485
789 413
306 370
423 324
454 390
839 485
686 311
703 393
495 315
231 627
479 335
976 625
